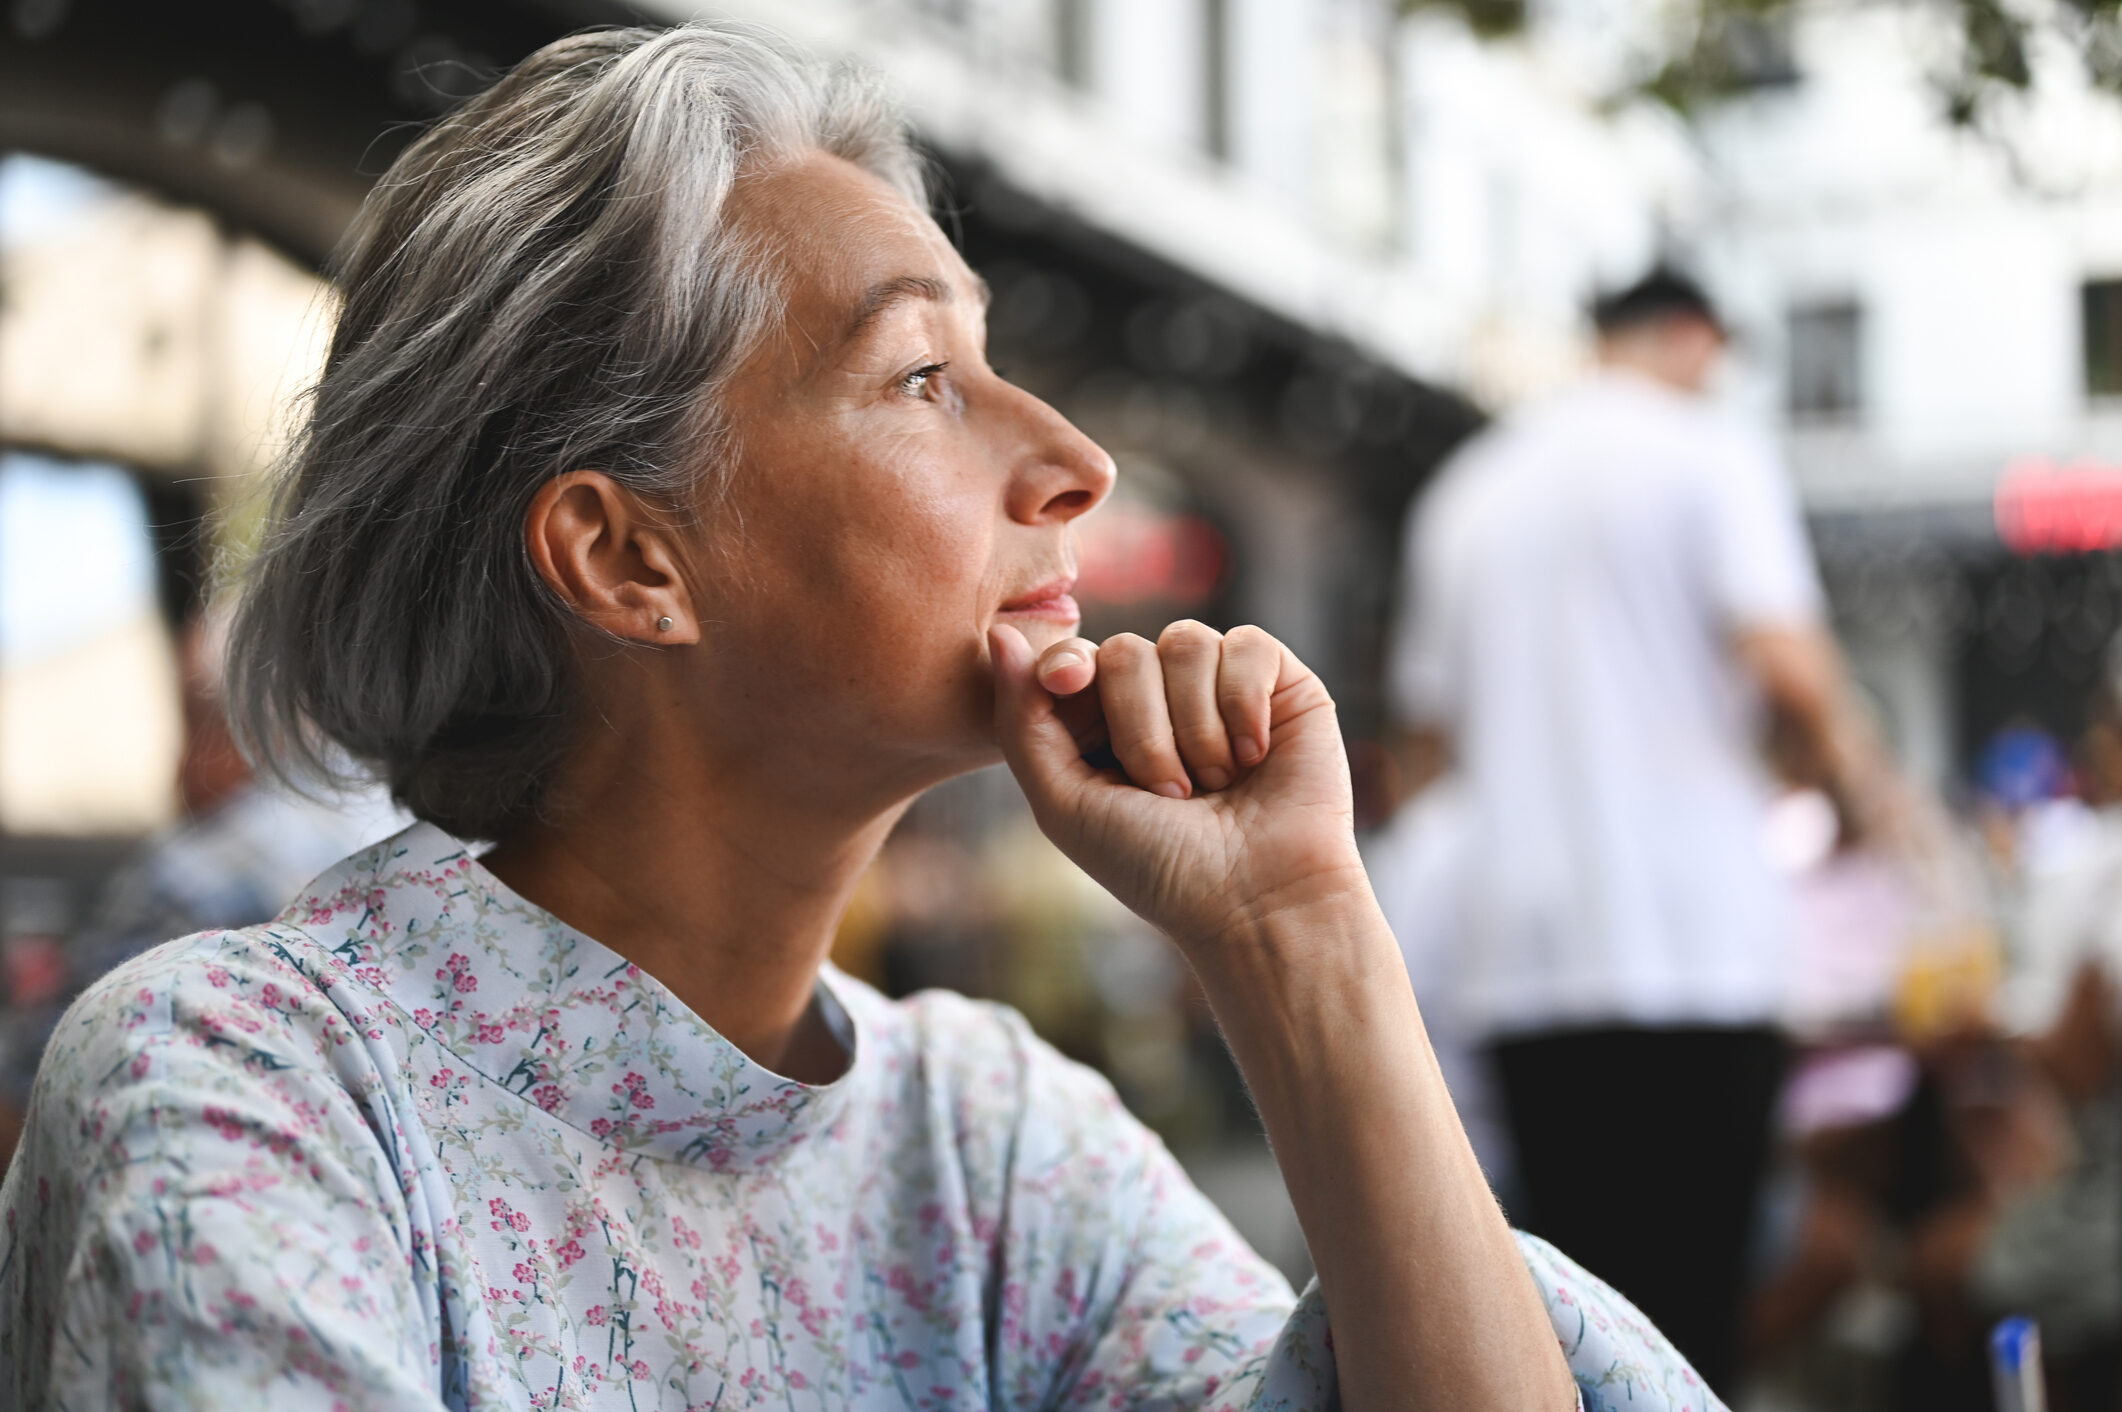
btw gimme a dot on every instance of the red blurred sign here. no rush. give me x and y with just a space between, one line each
33 968
1132 554
2046 508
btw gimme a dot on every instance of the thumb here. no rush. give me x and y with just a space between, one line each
1041 751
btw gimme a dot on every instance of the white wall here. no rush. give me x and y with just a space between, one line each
1523 201
1965 253
1271 97
1147 68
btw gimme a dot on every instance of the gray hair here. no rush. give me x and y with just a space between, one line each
545 281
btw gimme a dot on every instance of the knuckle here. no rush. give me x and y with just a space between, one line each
1188 638
1126 648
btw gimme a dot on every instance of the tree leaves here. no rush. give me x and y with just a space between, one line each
1726 48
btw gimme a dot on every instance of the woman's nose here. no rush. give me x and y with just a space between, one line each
1061 473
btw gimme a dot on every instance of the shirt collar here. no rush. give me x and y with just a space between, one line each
554 1016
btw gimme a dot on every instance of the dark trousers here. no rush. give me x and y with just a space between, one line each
1640 1155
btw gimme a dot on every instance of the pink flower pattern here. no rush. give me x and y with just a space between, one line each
459 1155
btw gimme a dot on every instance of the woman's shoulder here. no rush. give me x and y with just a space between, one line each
216 1006
225 1092
232 963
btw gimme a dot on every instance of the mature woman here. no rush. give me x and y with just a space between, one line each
660 521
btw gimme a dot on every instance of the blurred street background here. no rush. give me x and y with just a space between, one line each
1282 258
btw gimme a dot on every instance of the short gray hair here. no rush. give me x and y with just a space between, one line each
545 281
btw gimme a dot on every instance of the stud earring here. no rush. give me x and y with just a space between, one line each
663 625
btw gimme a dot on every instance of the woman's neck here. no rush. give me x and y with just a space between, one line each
725 883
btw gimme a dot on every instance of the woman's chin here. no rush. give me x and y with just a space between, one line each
1041 630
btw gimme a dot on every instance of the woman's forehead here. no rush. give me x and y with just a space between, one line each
843 235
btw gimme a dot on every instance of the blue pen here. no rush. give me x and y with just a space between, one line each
2015 1366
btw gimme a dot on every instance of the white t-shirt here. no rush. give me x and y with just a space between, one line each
1417 864
1574 579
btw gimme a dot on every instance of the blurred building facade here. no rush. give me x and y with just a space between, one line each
1931 314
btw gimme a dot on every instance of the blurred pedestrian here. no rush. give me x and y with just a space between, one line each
239 854
1601 593
2050 1245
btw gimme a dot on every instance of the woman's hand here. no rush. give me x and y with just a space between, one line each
1232 797
1229 826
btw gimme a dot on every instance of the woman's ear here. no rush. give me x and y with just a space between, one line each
611 558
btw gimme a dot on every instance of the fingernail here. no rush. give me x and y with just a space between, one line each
1212 778
1250 751
1061 661
1169 789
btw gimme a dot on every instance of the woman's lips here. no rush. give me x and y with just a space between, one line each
1049 601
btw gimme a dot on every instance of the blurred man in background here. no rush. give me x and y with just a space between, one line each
1601 594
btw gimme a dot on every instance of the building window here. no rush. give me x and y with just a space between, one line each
958 14
2102 300
1072 22
1826 372
1356 166
1758 51
1215 78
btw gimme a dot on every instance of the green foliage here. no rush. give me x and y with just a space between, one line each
1729 47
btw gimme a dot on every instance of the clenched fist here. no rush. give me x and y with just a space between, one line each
1231 801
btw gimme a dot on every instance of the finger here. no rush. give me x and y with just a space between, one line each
1041 750
1131 689
1068 666
1067 670
1192 655
1249 668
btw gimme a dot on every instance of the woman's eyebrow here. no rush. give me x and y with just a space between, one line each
898 290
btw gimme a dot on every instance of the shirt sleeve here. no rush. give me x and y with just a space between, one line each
1759 562
1125 1288
202 1214
196 877
1418 671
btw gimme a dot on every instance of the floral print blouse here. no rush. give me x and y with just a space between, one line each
418 1144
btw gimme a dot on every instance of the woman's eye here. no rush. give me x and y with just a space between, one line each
916 382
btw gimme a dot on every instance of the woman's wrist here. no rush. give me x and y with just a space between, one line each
1280 909
1292 984
1291 917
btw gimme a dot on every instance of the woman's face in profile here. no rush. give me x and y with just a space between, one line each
891 497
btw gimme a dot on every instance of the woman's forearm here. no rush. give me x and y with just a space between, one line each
1430 1303
1260 883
